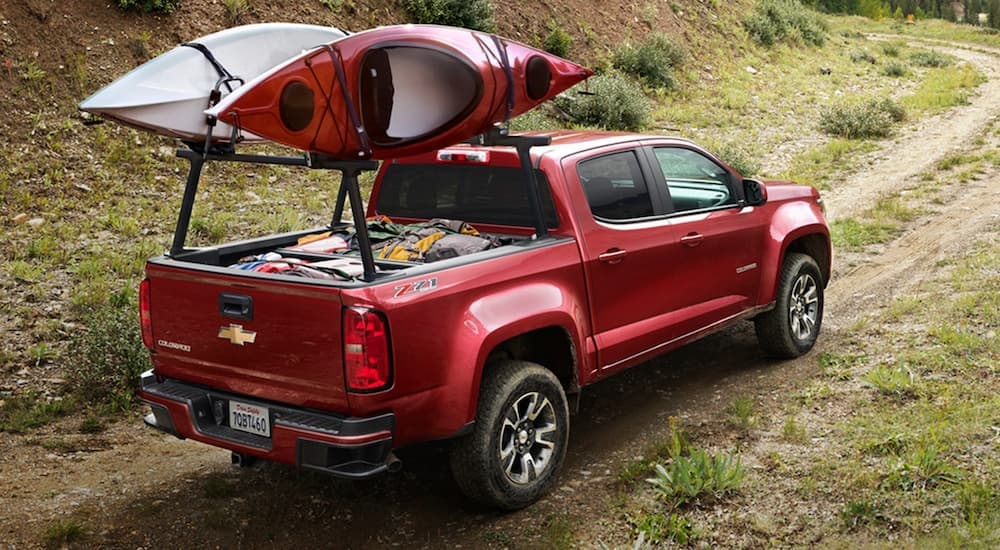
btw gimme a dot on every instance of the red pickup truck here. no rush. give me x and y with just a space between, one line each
602 250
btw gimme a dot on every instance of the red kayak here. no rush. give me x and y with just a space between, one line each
396 91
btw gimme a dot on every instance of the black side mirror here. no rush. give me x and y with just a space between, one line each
754 192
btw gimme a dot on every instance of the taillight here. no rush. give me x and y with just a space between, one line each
144 317
367 364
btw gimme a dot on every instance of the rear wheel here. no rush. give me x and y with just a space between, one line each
519 439
790 329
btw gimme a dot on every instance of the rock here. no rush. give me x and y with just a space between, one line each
36 222
20 218
752 70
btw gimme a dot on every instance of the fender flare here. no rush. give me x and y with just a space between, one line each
499 317
793 225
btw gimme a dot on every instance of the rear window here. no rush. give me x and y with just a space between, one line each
471 193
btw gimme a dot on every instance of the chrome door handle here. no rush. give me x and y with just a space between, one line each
613 256
692 239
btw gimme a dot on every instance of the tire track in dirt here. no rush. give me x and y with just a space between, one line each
928 141
147 489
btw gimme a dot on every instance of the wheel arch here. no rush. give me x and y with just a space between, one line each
800 230
546 341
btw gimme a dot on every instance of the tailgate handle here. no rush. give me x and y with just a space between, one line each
236 306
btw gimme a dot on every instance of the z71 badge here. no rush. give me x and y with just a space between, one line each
422 285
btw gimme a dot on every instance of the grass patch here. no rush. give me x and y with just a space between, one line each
676 445
740 413
63 533
852 234
659 528
895 382
793 432
839 366
558 533
92 425
862 56
895 69
930 58
859 512
943 88
28 411
698 476
819 165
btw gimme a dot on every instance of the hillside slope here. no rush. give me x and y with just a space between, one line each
106 196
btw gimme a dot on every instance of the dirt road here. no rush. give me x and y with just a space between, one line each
131 487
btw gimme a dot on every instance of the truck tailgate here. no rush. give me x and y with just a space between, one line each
274 340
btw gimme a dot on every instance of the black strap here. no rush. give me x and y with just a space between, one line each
223 73
502 50
352 111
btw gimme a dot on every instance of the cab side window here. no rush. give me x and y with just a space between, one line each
694 181
615 187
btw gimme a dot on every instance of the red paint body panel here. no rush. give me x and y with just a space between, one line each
661 294
256 107
295 357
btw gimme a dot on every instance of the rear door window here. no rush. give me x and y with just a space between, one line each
615 187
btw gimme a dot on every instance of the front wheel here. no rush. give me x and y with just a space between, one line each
790 329
519 439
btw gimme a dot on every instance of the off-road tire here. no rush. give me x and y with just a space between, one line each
779 331
476 458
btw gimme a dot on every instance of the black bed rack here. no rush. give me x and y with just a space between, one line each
197 155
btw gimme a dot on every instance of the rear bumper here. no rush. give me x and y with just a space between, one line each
326 442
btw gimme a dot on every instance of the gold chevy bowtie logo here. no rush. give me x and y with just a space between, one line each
236 335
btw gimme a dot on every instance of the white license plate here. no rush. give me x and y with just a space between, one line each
249 418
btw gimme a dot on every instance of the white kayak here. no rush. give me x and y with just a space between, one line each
168 95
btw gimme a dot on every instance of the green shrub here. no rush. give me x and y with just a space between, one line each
776 21
862 56
29 410
657 528
615 103
737 155
62 533
890 49
110 354
894 68
160 6
558 41
870 119
699 475
922 469
928 58
652 60
535 119
740 413
471 14
897 382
